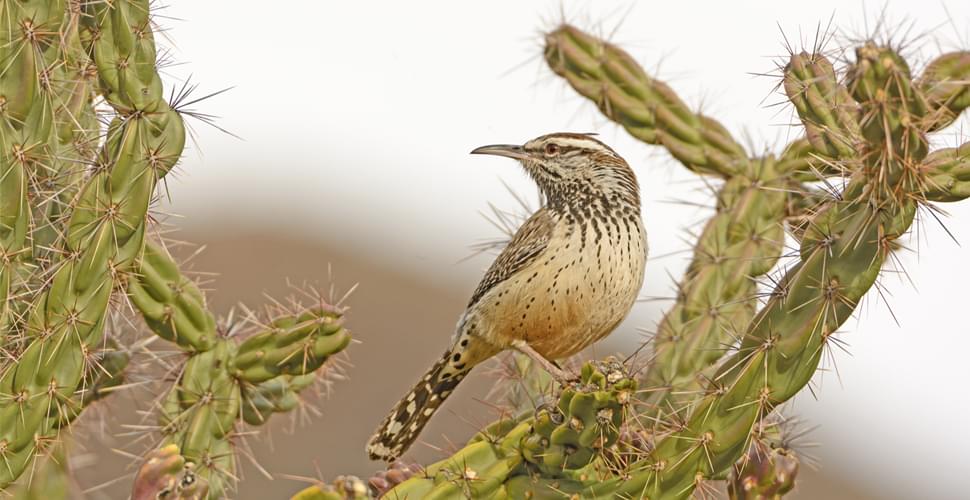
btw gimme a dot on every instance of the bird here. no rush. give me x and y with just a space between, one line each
567 277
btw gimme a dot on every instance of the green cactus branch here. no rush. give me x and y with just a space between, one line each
171 304
648 108
841 255
51 477
104 231
26 128
740 244
224 381
75 136
947 174
72 233
946 86
830 115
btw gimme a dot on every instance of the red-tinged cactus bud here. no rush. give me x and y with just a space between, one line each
764 474
166 475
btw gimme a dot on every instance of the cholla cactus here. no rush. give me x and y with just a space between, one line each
61 323
74 202
224 381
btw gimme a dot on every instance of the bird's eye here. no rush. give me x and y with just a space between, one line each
552 149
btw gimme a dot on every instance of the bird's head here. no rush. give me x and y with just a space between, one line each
569 168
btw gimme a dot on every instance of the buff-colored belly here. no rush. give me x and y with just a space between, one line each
569 298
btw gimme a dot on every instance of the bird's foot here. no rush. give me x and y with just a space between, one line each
561 376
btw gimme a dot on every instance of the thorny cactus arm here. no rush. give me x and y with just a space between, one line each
199 414
946 85
223 381
830 115
103 234
742 242
276 365
841 256
276 395
291 345
26 124
947 174
648 108
74 143
172 305
51 477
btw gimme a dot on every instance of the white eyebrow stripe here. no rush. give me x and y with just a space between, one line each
577 142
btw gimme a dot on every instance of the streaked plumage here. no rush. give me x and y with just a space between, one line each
568 276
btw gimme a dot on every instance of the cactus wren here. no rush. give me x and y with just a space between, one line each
569 275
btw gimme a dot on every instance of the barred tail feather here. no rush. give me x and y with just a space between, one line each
403 425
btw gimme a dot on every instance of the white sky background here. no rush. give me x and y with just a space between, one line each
356 119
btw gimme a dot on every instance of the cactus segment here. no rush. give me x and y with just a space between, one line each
223 380
276 395
291 345
841 255
824 105
946 84
586 421
199 415
172 304
742 242
946 174
647 108
26 130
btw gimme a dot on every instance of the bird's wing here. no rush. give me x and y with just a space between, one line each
527 244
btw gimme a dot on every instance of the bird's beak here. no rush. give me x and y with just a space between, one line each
507 150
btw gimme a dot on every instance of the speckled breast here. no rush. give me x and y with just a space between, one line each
576 292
